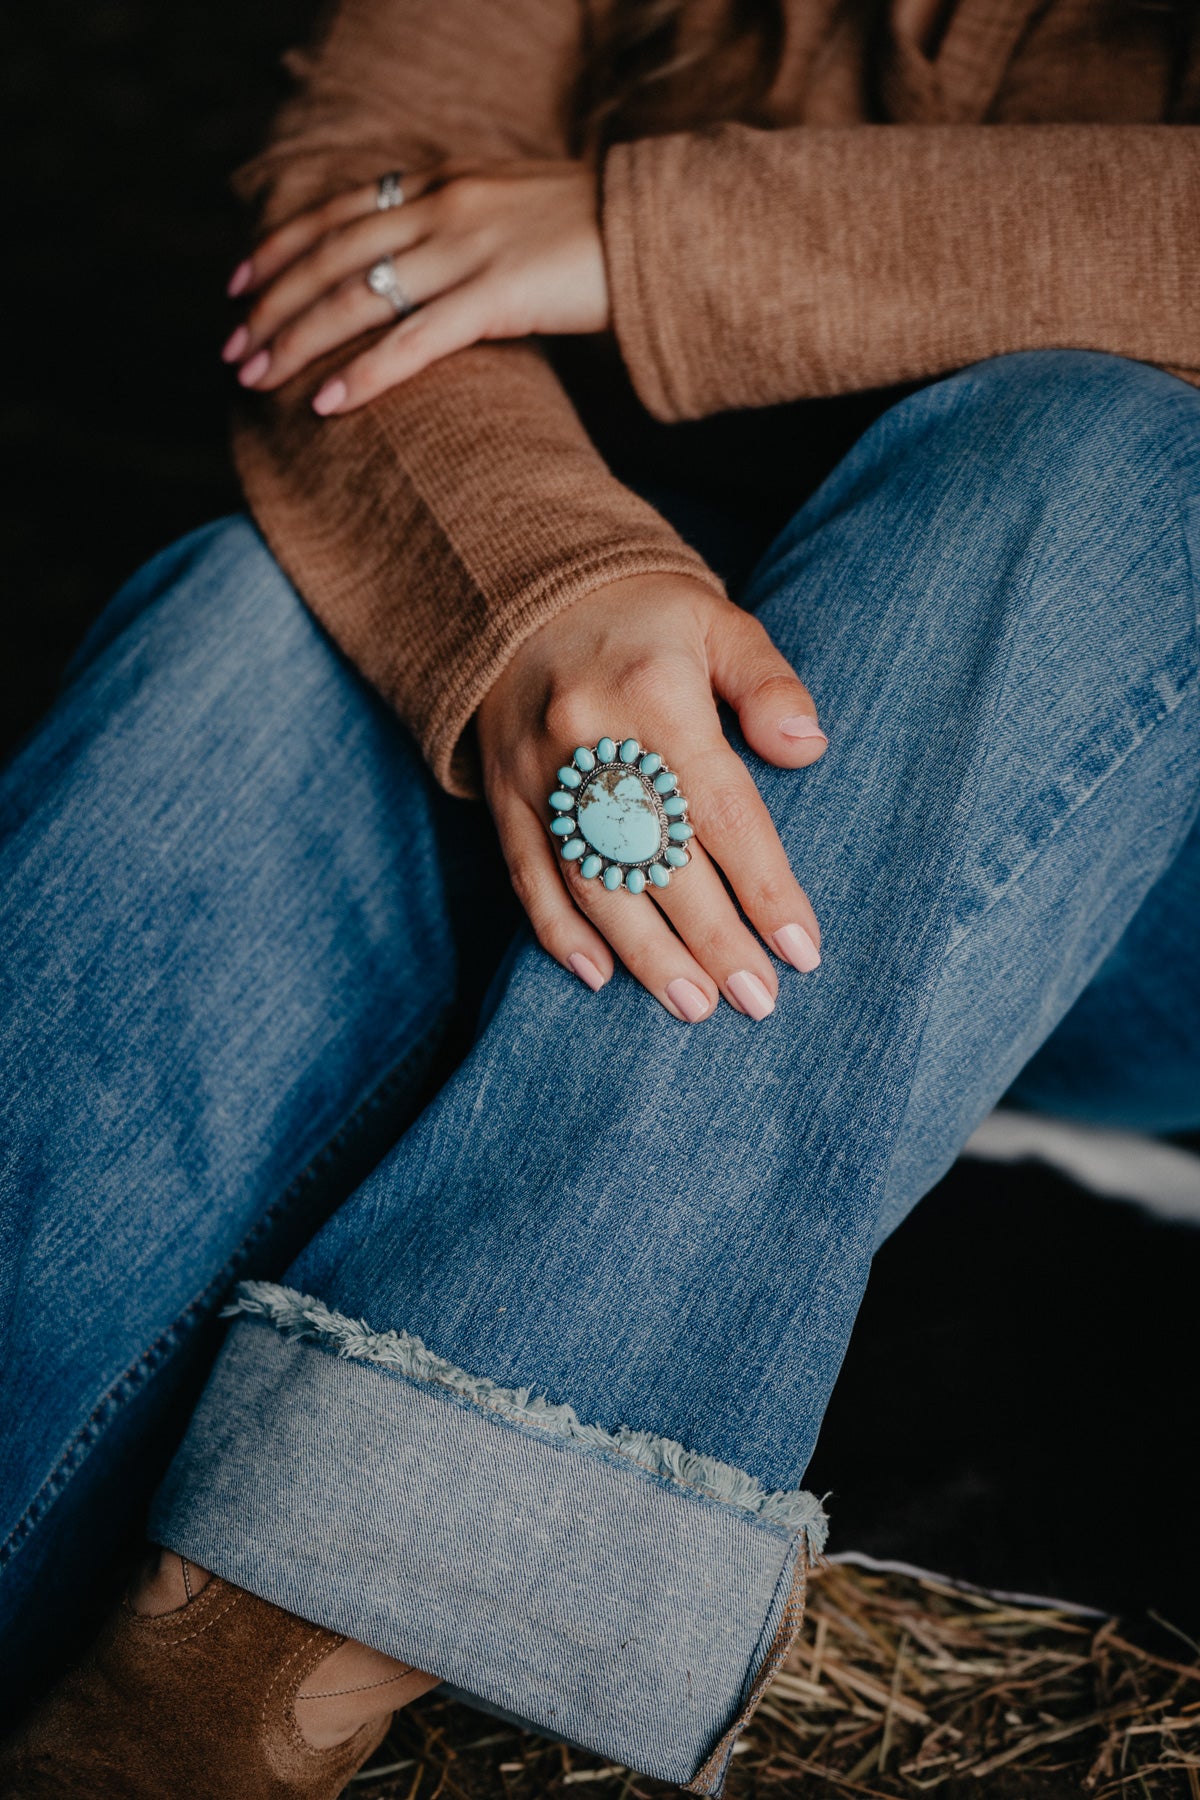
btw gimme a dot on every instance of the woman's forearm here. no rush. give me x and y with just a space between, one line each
436 529
748 267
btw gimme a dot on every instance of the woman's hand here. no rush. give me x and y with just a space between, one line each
647 658
501 252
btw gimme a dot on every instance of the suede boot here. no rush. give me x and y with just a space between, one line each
195 1704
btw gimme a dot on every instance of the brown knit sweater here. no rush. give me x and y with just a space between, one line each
1032 182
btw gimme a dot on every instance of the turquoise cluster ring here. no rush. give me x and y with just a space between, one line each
618 815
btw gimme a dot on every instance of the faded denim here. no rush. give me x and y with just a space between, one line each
664 1228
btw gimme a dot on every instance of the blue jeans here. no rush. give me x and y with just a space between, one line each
532 1407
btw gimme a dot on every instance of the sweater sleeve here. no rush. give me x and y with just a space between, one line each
748 267
438 527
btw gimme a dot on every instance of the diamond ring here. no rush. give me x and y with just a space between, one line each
383 280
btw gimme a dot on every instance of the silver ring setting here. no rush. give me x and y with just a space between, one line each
383 280
389 191
618 814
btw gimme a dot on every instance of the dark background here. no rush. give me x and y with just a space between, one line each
1018 1406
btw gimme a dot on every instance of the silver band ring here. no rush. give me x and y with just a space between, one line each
383 280
389 191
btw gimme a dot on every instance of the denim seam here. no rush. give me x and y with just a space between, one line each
798 1513
765 1664
787 1577
134 1378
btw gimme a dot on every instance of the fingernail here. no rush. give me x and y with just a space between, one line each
688 999
239 280
801 726
255 369
236 344
795 946
751 994
586 970
330 397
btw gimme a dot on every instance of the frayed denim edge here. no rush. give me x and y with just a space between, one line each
302 1316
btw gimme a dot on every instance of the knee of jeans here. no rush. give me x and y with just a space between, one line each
1060 443
1079 426
1044 501
1093 459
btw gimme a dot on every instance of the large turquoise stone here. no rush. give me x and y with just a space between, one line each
617 816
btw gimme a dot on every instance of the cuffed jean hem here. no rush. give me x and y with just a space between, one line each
588 1582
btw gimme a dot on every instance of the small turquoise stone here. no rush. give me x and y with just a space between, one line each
635 881
651 763
561 802
569 777
606 750
591 865
583 759
681 833
629 750
613 877
677 857
574 849
562 827
664 782
617 816
675 807
658 875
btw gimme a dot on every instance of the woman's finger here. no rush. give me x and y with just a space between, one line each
774 708
351 309
558 924
335 256
733 824
581 923
302 231
448 323
697 904
647 946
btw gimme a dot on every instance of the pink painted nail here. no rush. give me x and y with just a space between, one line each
330 397
751 994
239 281
236 344
687 999
586 970
801 726
795 946
255 369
